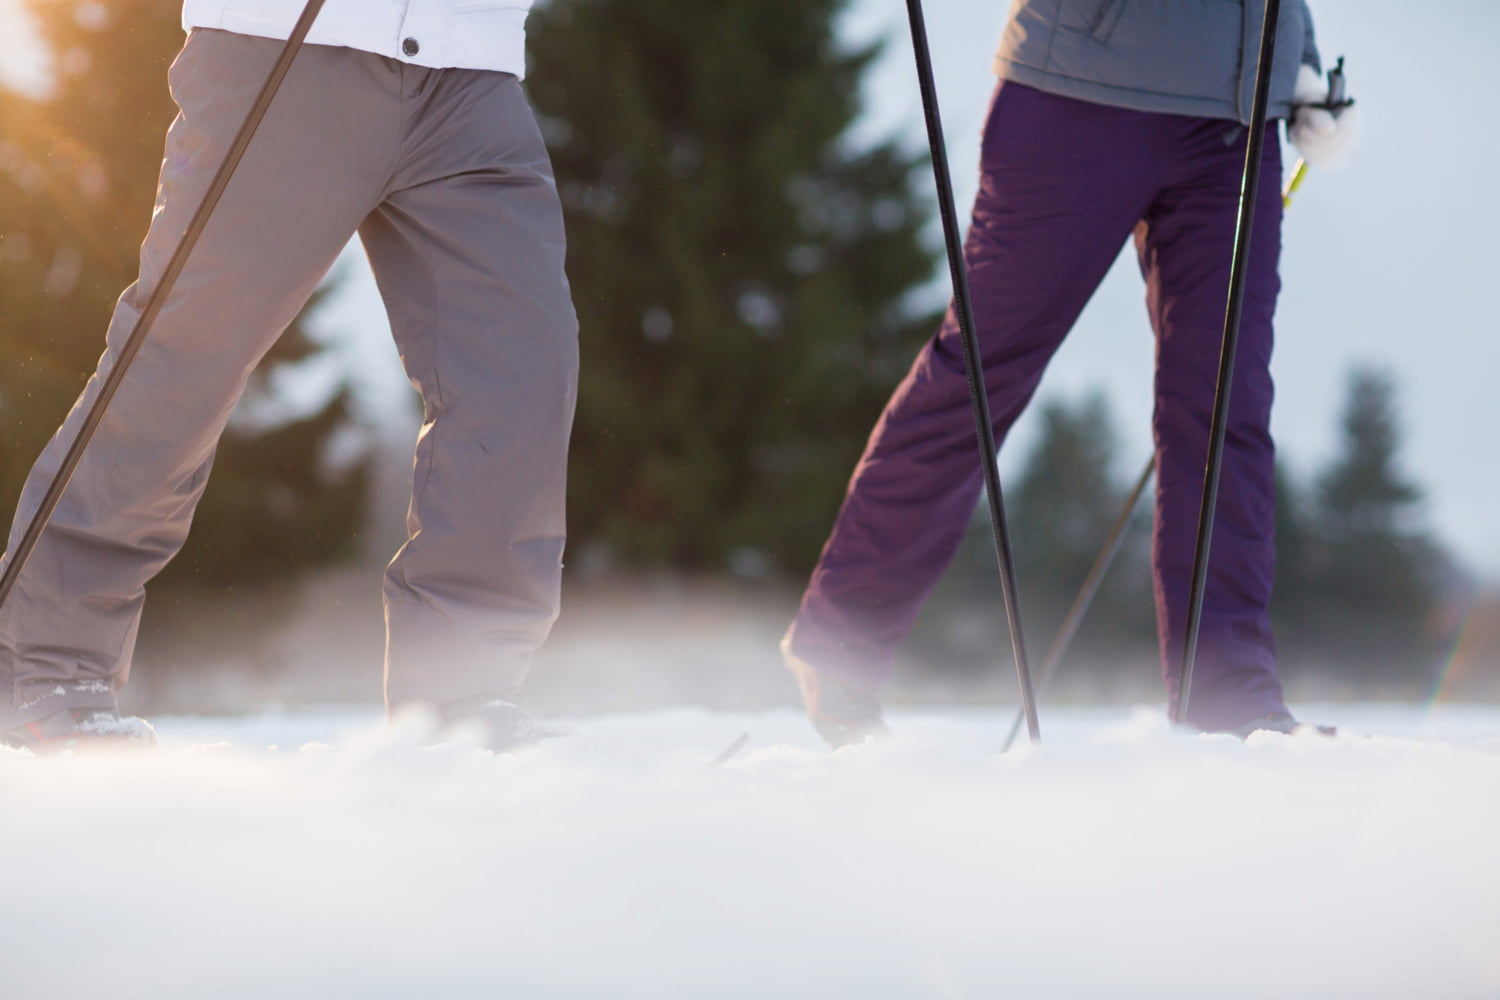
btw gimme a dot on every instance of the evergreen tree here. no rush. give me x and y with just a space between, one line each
77 181
1378 574
741 272
1363 494
1295 598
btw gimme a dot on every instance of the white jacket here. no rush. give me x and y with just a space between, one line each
440 34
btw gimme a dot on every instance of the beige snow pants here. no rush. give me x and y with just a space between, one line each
444 175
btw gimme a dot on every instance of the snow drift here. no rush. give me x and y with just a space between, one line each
1119 860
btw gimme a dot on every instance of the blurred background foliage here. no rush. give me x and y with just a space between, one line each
1363 590
749 284
742 275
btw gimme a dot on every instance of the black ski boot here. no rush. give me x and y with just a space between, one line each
80 729
1280 723
842 713
507 722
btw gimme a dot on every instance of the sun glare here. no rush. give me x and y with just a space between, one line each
25 66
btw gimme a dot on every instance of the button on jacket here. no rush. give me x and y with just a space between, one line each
439 34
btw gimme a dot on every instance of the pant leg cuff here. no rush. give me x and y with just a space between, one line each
1229 716
29 703
834 658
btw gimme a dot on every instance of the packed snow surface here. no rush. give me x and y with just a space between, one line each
1119 859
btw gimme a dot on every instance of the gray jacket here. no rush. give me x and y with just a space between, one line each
1186 57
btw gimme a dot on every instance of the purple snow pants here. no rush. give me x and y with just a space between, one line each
1063 184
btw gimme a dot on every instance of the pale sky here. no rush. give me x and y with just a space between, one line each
1390 261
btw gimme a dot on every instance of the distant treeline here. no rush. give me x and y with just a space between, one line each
1364 593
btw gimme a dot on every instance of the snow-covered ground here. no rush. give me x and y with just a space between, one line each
1118 860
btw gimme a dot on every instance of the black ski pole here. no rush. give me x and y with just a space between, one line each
199 222
1249 185
1086 593
964 312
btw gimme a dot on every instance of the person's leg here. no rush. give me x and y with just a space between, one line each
314 170
1185 244
1062 183
468 250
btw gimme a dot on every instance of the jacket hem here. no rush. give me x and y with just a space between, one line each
1126 97
488 37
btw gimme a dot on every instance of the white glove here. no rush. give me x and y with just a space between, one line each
1322 134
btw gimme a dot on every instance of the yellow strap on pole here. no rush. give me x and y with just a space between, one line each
1298 173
